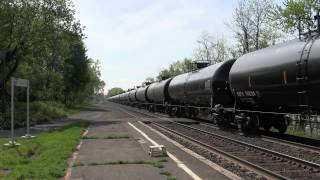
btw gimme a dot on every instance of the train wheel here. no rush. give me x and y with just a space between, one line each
221 123
266 128
250 125
169 111
153 108
174 111
282 125
193 112
281 128
189 113
180 112
150 108
222 120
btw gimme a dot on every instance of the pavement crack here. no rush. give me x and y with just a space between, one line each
157 164
107 137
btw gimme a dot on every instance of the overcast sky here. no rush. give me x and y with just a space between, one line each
135 39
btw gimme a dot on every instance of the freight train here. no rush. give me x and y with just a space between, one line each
261 89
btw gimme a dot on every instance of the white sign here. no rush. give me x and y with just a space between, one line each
21 82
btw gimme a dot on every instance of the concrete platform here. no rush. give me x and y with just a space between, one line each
124 172
202 170
108 143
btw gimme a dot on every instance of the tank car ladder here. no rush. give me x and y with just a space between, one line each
302 78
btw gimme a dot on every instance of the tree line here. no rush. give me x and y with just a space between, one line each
255 24
43 42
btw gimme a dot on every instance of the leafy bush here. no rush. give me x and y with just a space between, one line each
46 111
40 112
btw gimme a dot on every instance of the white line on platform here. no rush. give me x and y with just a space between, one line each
175 159
179 163
197 156
144 135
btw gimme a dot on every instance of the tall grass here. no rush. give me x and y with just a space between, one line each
40 112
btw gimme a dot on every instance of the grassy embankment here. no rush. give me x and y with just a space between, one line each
44 157
40 112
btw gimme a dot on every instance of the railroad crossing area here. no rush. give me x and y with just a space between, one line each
118 145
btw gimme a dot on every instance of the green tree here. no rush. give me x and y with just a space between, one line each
148 80
115 91
76 70
176 68
211 49
251 25
95 87
291 12
41 41
30 31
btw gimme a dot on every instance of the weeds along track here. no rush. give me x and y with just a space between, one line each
268 163
298 150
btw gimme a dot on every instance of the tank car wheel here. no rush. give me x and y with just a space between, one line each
153 109
193 112
188 113
180 112
222 120
174 111
266 128
169 111
251 125
221 123
281 128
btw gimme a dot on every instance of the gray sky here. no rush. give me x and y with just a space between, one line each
136 39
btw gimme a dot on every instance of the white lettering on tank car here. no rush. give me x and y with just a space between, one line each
247 93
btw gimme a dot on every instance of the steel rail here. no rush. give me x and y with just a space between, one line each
277 140
290 143
256 168
305 162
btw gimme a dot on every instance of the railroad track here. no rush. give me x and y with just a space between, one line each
293 148
298 150
295 144
295 140
265 161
